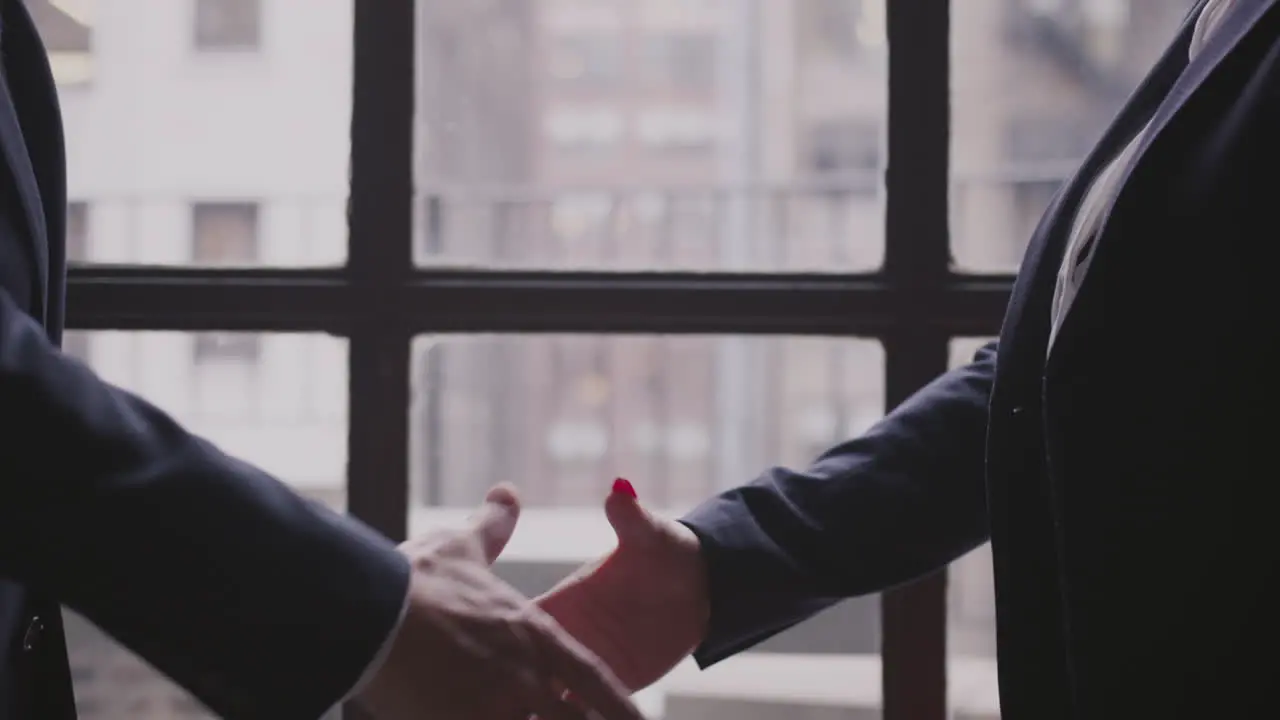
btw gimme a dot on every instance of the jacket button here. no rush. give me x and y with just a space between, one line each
32 637
1018 410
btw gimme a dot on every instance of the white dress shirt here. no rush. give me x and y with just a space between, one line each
1102 193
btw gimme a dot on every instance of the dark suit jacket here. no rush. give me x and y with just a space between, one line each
261 604
1125 478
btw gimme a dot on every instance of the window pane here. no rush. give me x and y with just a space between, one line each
1034 84
972 686
682 417
662 135
283 408
157 128
228 24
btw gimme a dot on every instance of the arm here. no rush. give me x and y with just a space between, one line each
904 499
259 603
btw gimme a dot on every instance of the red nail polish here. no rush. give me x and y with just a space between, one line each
624 487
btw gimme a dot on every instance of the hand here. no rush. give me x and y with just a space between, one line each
473 648
644 607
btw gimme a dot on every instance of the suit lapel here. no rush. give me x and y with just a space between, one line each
1235 28
21 173
1024 334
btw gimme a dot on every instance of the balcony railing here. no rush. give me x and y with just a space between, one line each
829 224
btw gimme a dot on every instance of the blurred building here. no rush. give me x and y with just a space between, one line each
575 134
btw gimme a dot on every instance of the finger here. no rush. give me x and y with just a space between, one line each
591 684
495 521
631 522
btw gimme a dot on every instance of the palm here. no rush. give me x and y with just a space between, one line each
643 608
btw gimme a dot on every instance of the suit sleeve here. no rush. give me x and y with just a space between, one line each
904 499
263 605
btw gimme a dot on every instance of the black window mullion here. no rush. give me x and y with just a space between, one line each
328 300
380 258
917 264
379 263
199 299
917 178
323 300
913 617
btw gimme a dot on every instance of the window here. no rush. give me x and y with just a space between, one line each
676 129
649 407
224 233
582 301
679 61
582 128
845 146
228 24
589 62
711 113
209 348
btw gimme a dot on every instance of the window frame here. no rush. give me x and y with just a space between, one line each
915 305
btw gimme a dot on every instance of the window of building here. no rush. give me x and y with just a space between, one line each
586 61
677 129
228 24
217 347
679 61
584 128
224 234
845 146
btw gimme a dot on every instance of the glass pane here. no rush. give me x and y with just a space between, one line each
656 135
1034 84
196 138
276 400
680 416
972 686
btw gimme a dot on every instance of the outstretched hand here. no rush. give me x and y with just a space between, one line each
473 648
644 607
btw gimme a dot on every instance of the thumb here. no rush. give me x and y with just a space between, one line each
631 522
495 521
